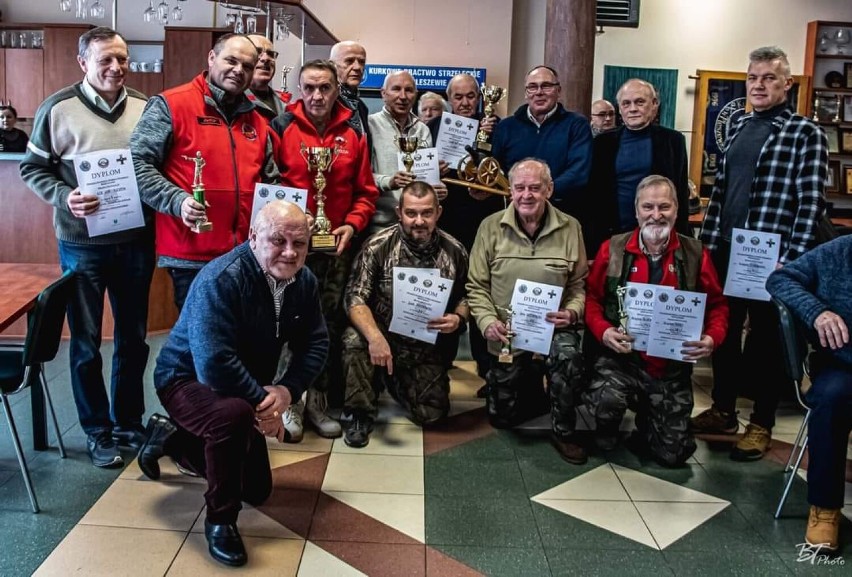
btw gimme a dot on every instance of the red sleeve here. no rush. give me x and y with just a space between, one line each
716 312
364 191
596 322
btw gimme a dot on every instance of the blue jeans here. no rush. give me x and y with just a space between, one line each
124 272
830 400
181 281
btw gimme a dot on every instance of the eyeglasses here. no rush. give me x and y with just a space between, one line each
544 87
604 114
271 53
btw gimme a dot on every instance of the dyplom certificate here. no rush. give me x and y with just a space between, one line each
266 193
678 317
455 133
639 305
419 295
109 175
425 166
753 257
531 301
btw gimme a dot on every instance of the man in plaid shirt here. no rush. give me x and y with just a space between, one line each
771 179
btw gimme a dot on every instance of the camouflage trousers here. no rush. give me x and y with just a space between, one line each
662 406
333 274
516 391
419 382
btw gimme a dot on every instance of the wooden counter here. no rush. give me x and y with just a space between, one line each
27 236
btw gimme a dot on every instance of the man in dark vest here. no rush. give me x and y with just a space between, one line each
659 390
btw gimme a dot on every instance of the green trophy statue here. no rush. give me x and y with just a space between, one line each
202 224
506 355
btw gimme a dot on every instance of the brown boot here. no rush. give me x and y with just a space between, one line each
754 444
569 450
823 527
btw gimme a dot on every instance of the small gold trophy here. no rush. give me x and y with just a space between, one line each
408 146
320 159
491 95
621 293
506 351
202 224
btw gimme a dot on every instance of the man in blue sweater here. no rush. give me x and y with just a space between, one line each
543 129
816 288
216 374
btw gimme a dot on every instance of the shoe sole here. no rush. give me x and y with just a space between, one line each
326 435
114 464
355 445
730 431
824 547
228 562
746 457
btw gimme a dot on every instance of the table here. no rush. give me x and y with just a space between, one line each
20 285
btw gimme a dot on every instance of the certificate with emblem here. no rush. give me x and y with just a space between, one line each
753 257
531 301
455 133
266 193
639 305
678 317
109 175
419 295
425 165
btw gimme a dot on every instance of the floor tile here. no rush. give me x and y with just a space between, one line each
467 477
266 557
644 487
374 474
388 439
558 530
28 538
727 530
317 561
439 564
335 520
730 562
311 443
593 562
619 517
168 473
147 505
151 552
669 522
252 523
379 559
599 484
458 407
501 522
405 513
500 561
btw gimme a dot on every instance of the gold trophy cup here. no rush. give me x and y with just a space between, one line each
202 224
320 159
491 95
408 146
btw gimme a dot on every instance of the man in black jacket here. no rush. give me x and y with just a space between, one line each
621 158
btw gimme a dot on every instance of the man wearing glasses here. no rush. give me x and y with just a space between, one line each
622 157
266 100
603 117
542 128
319 119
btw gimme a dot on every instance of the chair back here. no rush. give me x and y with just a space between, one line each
794 343
44 327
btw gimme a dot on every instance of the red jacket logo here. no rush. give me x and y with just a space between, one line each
249 132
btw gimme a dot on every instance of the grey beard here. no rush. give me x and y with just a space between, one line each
654 233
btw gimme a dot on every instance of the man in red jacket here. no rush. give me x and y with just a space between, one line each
659 390
318 119
210 115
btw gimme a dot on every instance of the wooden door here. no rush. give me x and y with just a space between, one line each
60 57
25 71
185 53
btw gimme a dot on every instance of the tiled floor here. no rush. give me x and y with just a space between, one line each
461 499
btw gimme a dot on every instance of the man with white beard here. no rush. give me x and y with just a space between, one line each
659 390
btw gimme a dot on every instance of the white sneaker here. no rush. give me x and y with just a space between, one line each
315 410
293 423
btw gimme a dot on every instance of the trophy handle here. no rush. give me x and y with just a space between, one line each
303 149
335 152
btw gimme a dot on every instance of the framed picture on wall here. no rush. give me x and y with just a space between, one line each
846 140
827 108
847 72
833 135
847 108
832 181
848 180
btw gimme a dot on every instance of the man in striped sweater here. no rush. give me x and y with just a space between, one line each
98 113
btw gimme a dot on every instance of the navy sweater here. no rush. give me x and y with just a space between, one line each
817 281
227 336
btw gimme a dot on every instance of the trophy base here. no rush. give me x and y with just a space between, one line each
323 243
202 226
505 357
483 146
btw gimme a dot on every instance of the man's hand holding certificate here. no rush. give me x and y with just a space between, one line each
753 256
108 175
676 325
535 315
420 297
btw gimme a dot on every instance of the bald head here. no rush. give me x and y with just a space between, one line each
279 239
603 116
463 92
350 58
264 70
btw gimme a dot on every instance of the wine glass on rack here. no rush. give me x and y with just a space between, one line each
163 12
97 10
150 13
239 27
251 23
80 13
177 12
824 43
282 25
65 5
842 38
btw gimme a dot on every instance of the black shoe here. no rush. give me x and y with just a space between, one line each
225 544
569 449
130 437
358 431
184 471
159 429
606 436
482 392
103 450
